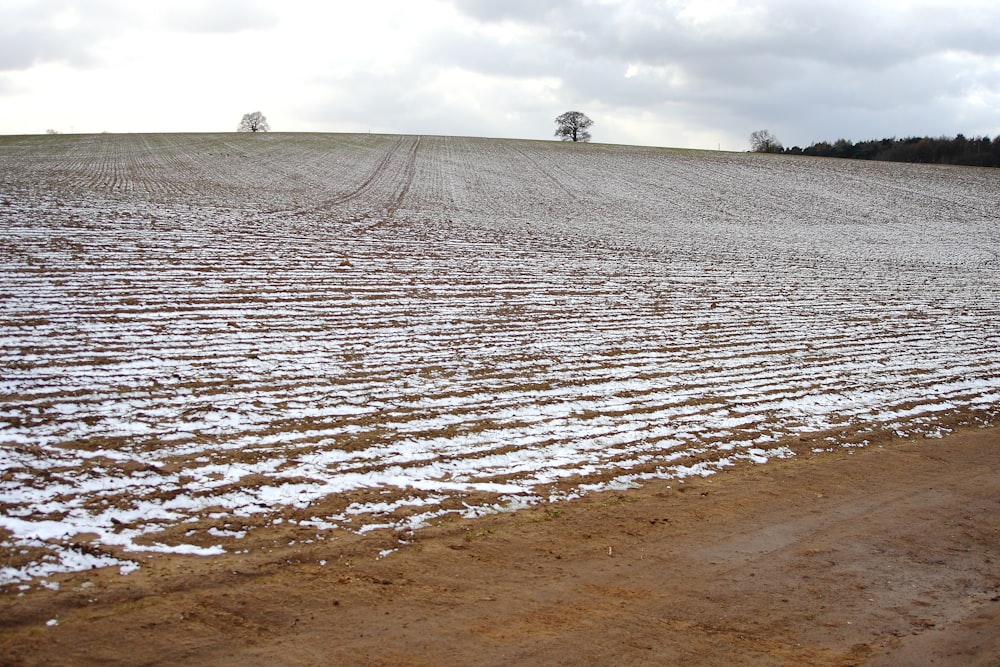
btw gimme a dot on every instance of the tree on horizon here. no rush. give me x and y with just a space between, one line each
573 126
253 122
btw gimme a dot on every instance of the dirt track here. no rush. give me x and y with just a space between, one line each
887 555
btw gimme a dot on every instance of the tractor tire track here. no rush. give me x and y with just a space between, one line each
408 171
573 196
383 190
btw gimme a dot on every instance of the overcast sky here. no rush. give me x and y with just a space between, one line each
688 73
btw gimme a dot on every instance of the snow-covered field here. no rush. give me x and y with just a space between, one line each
206 334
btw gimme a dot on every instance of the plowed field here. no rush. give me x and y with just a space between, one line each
206 335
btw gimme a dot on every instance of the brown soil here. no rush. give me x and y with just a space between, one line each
883 556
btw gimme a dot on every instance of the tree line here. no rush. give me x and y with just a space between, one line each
960 150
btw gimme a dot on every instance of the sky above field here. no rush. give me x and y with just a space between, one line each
686 73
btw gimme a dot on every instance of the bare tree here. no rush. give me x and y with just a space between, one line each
573 126
763 141
253 122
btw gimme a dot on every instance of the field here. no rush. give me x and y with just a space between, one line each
204 336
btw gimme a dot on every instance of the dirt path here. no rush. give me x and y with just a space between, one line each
883 556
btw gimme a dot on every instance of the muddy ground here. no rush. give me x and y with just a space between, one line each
888 555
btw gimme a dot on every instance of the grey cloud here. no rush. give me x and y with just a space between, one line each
24 48
30 34
814 68
851 34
